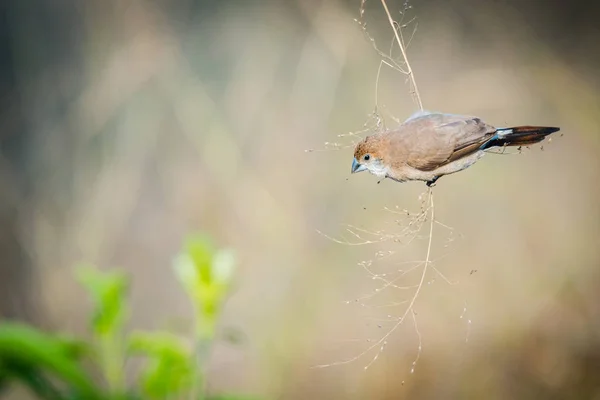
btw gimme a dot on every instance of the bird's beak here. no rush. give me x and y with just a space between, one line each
356 167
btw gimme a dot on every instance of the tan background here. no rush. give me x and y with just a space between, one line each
126 127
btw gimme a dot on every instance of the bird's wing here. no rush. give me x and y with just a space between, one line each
431 141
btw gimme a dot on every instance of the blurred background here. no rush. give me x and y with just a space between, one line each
125 126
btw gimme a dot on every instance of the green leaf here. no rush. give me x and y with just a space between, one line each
108 290
200 250
169 369
223 266
206 274
24 351
187 274
157 344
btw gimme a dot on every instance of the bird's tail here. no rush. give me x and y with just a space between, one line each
520 135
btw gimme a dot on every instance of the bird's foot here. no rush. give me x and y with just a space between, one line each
431 183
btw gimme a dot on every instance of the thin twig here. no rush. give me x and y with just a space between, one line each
382 342
414 364
400 44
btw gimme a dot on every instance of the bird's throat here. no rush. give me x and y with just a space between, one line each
378 170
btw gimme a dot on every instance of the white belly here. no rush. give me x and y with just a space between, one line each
460 164
455 166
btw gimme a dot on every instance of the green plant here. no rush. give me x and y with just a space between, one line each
53 366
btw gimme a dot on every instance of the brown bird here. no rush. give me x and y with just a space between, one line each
430 145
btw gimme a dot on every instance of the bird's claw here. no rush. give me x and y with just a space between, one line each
431 183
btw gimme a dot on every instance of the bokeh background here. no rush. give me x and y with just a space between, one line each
125 126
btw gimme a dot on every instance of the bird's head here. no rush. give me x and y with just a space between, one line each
368 156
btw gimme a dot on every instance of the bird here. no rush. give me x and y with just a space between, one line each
429 145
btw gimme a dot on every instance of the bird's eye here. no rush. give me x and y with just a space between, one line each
367 157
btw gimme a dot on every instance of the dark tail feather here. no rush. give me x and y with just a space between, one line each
520 135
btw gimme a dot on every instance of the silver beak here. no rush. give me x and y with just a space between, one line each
356 167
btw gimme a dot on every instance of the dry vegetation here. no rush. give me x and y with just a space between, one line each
409 227
148 121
